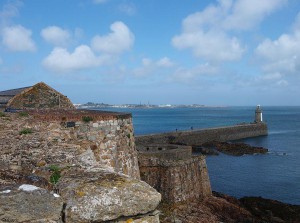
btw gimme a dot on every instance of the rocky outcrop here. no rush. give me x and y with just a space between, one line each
209 210
271 210
235 149
103 196
28 203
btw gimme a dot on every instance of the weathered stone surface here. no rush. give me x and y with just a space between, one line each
102 196
177 176
152 217
110 145
27 203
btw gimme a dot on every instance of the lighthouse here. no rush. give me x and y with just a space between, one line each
258 115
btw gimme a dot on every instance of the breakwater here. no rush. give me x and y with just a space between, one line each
198 137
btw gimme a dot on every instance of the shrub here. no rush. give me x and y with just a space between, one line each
2 114
25 131
55 176
87 119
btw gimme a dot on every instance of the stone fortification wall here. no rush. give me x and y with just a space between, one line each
70 167
198 137
103 140
174 172
166 152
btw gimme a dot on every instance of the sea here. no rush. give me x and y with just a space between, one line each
275 175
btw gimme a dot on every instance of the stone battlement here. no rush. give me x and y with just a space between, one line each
166 152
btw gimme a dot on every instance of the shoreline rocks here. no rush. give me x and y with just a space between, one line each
265 210
224 208
234 148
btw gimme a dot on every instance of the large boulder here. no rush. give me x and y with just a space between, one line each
28 203
102 196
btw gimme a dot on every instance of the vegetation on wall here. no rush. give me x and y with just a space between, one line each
25 131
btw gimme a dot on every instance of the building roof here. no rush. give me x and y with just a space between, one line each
13 92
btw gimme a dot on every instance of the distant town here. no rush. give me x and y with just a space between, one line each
103 105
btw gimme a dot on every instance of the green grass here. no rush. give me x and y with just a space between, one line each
25 131
2 114
55 176
87 119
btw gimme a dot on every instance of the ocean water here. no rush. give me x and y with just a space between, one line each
275 175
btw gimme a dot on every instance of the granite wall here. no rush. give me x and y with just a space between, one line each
74 166
174 172
63 138
198 137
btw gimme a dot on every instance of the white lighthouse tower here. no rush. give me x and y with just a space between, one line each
258 115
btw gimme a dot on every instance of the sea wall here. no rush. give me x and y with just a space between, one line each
174 172
198 137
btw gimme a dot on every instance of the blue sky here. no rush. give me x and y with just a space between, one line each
223 52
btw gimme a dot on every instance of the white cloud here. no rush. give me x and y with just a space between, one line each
104 50
283 54
56 35
209 33
127 8
18 38
246 14
165 62
63 61
212 46
119 40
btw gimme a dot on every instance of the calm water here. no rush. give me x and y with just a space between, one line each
275 175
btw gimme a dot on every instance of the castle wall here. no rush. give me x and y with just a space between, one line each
64 139
180 178
84 150
198 137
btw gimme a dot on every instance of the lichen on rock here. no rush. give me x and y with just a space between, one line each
103 195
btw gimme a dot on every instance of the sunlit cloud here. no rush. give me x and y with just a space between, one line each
18 38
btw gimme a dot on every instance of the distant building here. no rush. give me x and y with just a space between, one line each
38 96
